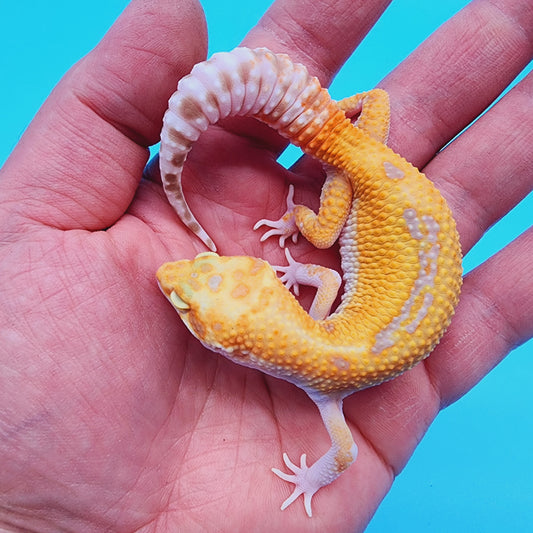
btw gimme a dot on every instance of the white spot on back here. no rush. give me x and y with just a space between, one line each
413 224
427 260
392 171
214 282
341 363
422 312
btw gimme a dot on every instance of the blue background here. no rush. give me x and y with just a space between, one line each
473 470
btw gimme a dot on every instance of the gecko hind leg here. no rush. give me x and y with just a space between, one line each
285 227
373 108
321 229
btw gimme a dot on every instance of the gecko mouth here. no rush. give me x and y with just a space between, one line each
178 302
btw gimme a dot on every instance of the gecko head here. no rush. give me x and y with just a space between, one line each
216 296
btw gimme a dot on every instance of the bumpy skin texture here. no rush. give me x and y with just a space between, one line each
400 251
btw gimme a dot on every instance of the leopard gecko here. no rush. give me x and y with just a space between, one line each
400 252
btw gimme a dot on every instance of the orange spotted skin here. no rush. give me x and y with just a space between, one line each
400 252
263 326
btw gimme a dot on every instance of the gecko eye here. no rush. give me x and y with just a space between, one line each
178 302
206 254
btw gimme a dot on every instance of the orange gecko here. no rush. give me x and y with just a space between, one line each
401 259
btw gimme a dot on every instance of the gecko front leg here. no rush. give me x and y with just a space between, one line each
343 452
326 281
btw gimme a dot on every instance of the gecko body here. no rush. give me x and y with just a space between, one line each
400 252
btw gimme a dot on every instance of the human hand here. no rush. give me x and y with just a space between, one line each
114 416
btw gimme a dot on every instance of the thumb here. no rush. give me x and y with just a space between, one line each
81 159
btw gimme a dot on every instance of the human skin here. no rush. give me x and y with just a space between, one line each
112 416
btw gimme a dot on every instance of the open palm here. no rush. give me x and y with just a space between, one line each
112 416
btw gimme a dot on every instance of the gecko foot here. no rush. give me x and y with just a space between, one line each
285 227
326 280
303 479
292 273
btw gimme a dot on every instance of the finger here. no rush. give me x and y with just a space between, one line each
320 35
80 161
456 74
495 315
486 171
